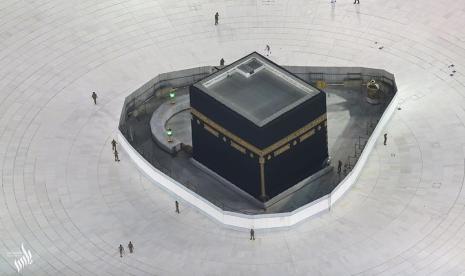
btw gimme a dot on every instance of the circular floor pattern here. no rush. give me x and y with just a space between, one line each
71 205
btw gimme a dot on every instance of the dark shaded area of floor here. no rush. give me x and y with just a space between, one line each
350 122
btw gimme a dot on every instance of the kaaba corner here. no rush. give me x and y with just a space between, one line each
258 126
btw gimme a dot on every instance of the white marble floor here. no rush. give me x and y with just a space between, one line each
71 205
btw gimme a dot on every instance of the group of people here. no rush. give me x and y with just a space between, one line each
355 1
176 203
222 63
252 231
217 15
113 142
267 47
121 249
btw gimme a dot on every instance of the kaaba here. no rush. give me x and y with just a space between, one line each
258 126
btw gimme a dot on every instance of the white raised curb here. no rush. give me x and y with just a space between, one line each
161 116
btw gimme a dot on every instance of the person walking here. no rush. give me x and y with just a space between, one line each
356 1
221 62
116 156
121 250
268 50
217 17
131 247
113 145
385 138
176 203
94 96
252 234
339 167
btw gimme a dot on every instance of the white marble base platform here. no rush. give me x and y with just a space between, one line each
63 196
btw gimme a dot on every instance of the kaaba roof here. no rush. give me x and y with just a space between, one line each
257 89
